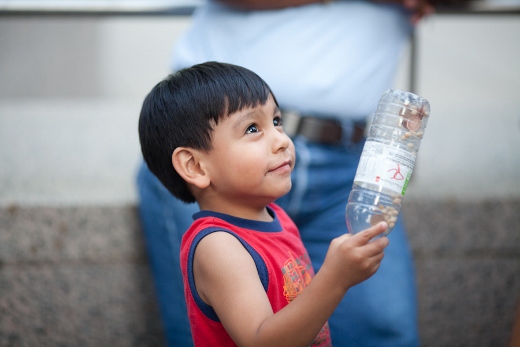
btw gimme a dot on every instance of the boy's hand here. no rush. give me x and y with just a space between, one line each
354 258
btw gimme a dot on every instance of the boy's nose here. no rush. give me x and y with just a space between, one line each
281 140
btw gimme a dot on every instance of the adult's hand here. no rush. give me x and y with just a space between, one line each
417 8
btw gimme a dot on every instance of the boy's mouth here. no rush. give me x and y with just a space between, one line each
286 165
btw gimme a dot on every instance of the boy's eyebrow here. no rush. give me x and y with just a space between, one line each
242 118
251 114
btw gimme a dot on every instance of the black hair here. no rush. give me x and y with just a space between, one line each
181 110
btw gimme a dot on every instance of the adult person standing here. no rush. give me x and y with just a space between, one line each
328 63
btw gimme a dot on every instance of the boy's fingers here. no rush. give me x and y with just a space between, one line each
366 235
340 239
377 246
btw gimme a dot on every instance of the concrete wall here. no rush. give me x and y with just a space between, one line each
73 270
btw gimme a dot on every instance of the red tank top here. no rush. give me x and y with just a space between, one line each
282 262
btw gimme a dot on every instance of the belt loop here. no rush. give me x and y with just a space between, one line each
360 131
353 131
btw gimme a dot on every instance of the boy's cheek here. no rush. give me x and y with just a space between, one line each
293 153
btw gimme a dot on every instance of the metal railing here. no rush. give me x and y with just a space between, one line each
98 7
186 7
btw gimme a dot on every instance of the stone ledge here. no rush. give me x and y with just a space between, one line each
78 276
35 235
467 302
463 228
78 305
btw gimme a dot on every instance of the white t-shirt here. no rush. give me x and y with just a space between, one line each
332 59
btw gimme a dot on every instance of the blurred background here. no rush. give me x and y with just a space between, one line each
73 75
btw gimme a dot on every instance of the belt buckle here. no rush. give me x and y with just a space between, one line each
314 129
319 130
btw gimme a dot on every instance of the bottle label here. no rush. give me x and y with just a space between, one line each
385 166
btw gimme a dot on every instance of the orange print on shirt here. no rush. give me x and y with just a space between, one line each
296 276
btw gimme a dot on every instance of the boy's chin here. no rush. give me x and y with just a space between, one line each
285 191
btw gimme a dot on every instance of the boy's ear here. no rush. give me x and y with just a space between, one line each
186 162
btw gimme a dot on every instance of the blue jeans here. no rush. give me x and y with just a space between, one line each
381 311
164 220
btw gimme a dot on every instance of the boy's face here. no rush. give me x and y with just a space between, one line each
252 159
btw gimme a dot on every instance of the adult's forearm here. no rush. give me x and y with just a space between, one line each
417 8
268 4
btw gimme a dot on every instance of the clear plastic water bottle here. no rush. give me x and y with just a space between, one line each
387 160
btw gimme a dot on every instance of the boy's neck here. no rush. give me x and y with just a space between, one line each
240 211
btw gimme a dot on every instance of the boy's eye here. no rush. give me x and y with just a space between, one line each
277 121
252 129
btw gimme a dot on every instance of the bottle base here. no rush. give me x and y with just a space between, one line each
367 208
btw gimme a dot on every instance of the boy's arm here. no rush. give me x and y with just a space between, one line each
226 278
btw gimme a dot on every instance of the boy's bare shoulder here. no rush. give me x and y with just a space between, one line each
225 273
218 244
219 254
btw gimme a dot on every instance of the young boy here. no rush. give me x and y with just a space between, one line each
213 134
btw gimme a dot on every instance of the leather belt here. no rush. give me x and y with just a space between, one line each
318 129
